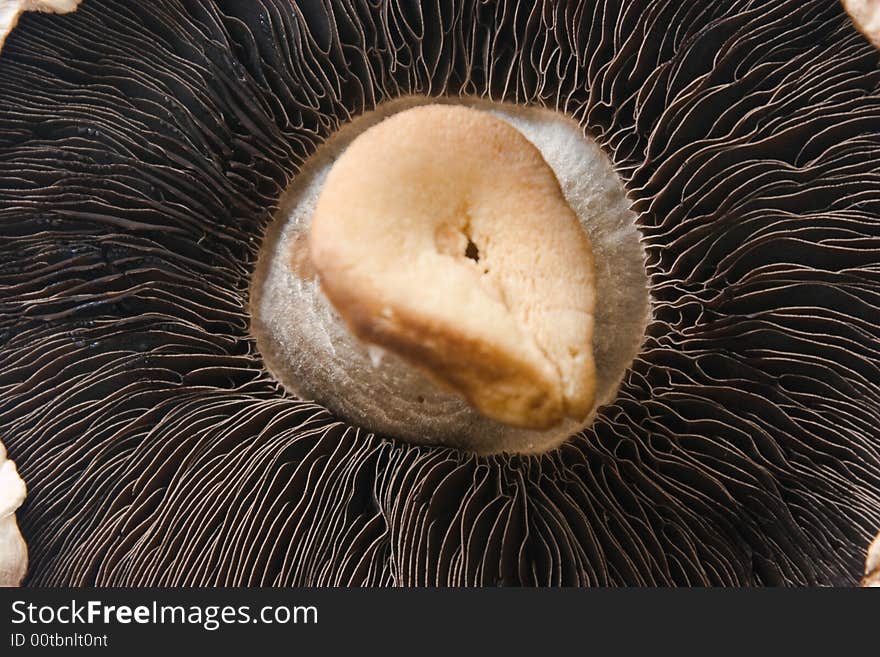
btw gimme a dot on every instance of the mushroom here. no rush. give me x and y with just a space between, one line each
13 550
147 152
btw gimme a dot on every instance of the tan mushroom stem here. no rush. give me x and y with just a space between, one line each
433 271
443 236
13 550
10 10
866 16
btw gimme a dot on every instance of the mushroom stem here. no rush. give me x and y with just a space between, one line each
442 235
319 353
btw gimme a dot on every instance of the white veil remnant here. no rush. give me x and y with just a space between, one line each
13 550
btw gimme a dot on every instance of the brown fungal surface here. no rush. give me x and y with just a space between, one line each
139 170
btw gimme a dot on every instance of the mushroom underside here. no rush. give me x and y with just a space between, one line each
143 150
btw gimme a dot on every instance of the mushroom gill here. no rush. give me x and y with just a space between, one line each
144 150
